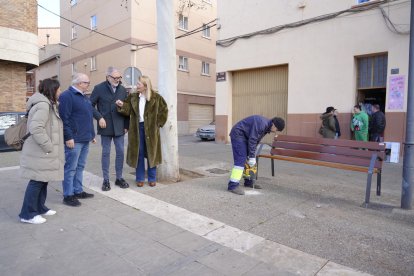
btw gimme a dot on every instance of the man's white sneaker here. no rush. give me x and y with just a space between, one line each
35 220
50 213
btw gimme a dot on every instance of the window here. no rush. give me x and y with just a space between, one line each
205 68
73 2
74 34
93 22
206 31
183 63
372 71
93 63
183 22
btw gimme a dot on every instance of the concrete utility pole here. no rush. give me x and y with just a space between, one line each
408 168
167 86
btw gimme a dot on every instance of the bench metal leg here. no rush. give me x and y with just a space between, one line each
257 167
368 189
272 161
379 183
369 179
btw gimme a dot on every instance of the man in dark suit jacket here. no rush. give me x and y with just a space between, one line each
377 124
111 124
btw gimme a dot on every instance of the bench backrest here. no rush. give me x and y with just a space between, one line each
340 151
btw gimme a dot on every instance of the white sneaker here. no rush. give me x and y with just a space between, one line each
50 213
35 220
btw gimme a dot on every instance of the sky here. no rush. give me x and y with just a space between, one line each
45 18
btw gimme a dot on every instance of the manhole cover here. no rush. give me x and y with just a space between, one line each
217 171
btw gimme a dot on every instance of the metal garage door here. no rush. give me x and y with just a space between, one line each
199 115
262 91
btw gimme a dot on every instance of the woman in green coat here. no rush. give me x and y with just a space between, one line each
148 113
359 124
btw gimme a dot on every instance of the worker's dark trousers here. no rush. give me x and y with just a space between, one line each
239 147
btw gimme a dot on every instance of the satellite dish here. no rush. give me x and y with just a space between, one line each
130 76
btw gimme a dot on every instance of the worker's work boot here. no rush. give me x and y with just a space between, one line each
238 191
249 184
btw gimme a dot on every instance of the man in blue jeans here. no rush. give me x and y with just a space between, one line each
245 136
111 124
76 112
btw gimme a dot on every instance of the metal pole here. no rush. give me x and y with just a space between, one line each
408 168
167 86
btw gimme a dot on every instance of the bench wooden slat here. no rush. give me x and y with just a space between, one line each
318 163
332 142
316 156
330 149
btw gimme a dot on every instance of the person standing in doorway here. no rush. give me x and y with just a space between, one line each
76 112
337 126
148 112
377 124
111 124
359 124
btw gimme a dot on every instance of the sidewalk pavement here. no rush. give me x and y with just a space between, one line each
306 221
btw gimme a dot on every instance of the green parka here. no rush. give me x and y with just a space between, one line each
359 125
328 125
155 116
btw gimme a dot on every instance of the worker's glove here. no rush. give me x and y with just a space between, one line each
252 162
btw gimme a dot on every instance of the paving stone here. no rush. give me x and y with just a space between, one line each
228 262
153 257
186 243
195 268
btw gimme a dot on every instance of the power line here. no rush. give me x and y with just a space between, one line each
229 41
140 46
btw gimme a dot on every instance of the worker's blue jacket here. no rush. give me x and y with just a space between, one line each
251 129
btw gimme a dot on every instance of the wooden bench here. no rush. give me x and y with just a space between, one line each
334 153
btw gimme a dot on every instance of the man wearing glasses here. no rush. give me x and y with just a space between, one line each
76 112
112 125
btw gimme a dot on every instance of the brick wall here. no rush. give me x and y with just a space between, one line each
13 85
19 14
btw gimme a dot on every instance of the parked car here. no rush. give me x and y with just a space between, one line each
7 119
207 132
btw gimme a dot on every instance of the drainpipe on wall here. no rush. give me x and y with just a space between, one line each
408 167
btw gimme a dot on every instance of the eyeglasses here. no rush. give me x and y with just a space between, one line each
116 78
87 82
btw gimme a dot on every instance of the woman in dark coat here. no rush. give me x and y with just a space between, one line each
328 123
148 113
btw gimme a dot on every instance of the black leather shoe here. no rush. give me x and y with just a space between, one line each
71 201
105 185
83 195
121 183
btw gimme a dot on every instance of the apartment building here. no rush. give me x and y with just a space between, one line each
126 31
295 58
19 51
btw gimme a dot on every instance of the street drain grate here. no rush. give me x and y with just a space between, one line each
217 171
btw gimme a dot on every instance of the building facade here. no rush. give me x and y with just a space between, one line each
129 28
18 52
295 59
